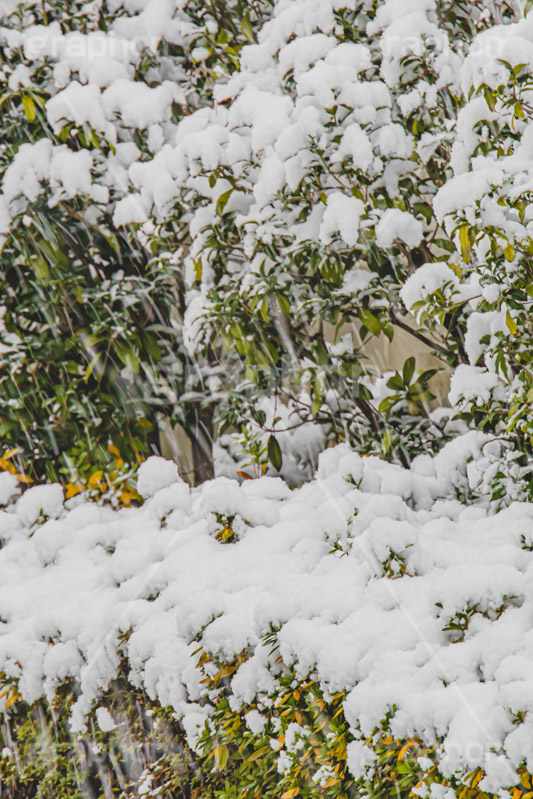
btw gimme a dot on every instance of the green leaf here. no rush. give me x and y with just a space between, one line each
112 240
425 210
94 139
90 368
370 321
427 375
29 107
40 267
444 244
408 370
321 353
247 29
386 405
152 347
387 440
263 750
421 396
315 406
5 97
283 302
128 357
395 382
223 201
274 453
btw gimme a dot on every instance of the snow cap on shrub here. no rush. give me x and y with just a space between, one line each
40 501
156 473
8 487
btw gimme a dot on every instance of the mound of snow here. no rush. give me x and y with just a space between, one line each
154 474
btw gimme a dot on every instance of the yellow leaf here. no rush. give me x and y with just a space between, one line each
95 478
12 453
289 794
73 489
331 781
509 253
221 756
258 753
29 107
225 671
12 699
511 324
477 778
403 751
464 237
525 779
245 475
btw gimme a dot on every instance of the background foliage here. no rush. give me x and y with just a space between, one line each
207 270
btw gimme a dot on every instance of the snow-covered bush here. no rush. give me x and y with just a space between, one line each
206 204
91 346
309 205
367 633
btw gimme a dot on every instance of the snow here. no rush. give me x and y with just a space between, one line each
356 145
79 104
40 501
70 584
342 216
473 384
396 225
8 487
68 172
426 280
104 719
154 474
138 105
481 325
255 721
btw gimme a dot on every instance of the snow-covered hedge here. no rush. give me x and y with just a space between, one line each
366 617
